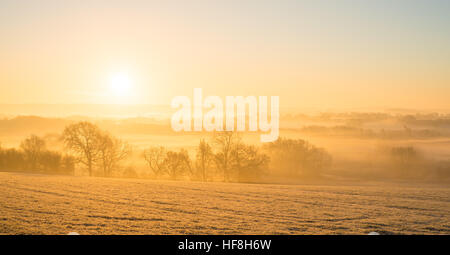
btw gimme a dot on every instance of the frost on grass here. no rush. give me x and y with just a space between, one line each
39 204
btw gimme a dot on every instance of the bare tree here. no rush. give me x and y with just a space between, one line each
406 161
155 157
225 142
247 162
177 163
82 139
297 157
204 159
111 151
33 148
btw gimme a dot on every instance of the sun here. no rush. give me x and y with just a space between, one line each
120 84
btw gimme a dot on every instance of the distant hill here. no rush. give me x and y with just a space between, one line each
25 125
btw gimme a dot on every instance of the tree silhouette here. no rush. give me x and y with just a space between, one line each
155 158
33 148
225 142
205 158
110 152
177 163
83 140
248 163
297 157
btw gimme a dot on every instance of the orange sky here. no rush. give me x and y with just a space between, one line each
314 54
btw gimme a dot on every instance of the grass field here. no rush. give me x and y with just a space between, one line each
41 204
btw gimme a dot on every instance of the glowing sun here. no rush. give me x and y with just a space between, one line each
120 84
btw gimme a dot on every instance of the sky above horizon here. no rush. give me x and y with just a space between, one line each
313 54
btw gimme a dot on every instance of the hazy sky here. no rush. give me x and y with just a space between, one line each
313 54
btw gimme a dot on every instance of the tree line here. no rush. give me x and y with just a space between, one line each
223 157
85 145
226 156
33 156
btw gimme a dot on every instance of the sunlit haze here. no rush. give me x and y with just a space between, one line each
313 54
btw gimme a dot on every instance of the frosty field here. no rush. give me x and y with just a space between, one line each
42 204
